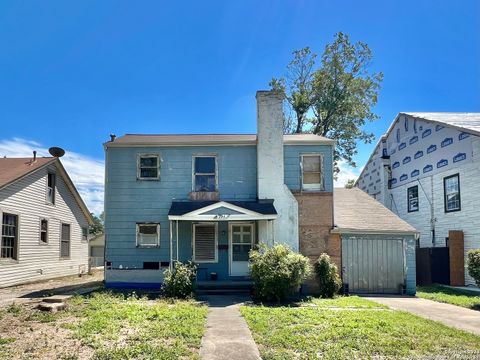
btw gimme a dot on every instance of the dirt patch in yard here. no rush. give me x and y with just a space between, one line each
27 333
103 326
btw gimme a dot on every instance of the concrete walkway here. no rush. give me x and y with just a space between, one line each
450 315
227 335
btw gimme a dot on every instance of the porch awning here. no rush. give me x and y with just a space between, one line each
222 210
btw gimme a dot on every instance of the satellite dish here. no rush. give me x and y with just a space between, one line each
56 151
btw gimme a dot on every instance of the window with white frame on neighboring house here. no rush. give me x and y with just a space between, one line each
204 173
312 172
451 188
148 167
9 244
148 234
43 231
205 243
51 180
412 198
65 241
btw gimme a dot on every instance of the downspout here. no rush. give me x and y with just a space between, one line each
432 209
171 246
176 234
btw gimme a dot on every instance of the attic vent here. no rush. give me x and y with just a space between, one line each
204 245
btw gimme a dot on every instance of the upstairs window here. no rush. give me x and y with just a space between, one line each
451 188
148 167
51 180
43 231
205 173
412 198
65 241
9 244
312 174
148 235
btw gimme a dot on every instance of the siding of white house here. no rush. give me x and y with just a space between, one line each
430 187
37 261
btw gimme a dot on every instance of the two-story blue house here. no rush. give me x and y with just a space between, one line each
211 198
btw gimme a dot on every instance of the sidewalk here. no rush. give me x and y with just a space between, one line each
450 315
227 335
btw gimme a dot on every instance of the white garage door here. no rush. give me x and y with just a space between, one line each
373 265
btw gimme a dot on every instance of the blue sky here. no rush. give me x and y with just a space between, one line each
73 72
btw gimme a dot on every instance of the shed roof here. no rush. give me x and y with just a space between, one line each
208 139
357 212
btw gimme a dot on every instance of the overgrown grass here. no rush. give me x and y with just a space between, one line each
459 297
347 302
357 331
121 327
109 326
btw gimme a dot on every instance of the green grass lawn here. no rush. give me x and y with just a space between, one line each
104 326
464 298
351 328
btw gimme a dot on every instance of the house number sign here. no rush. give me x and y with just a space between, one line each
221 216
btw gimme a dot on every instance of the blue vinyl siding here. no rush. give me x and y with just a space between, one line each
129 201
292 155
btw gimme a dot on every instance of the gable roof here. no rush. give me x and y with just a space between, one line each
463 121
14 169
357 212
469 122
209 139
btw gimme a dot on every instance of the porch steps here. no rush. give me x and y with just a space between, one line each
223 287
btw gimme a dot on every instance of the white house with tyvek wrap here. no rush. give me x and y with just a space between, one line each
426 170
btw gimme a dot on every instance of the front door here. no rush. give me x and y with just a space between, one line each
241 238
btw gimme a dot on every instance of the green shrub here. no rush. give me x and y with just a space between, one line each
327 276
180 283
277 272
473 261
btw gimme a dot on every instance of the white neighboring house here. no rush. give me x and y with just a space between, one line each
426 169
44 222
97 250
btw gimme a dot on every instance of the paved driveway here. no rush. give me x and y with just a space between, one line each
450 315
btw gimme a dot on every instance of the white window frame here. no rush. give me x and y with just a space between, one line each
446 193
194 174
51 189
84 230
16 248
215 225
312 187
141 156
69 240
137 232
47 232
409 207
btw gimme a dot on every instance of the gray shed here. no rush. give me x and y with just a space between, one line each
378 247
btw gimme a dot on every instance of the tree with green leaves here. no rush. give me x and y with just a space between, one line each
336 98
350 184
97 227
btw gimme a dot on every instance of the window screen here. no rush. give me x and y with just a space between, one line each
51 188
312 172
451 186
65 241
148 167
44 231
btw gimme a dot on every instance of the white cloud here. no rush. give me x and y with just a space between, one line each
86 173
346 173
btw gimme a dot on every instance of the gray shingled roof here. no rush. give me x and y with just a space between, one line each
460 120
208 139
357 212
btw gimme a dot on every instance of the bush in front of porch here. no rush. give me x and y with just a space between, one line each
277 272
179 283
